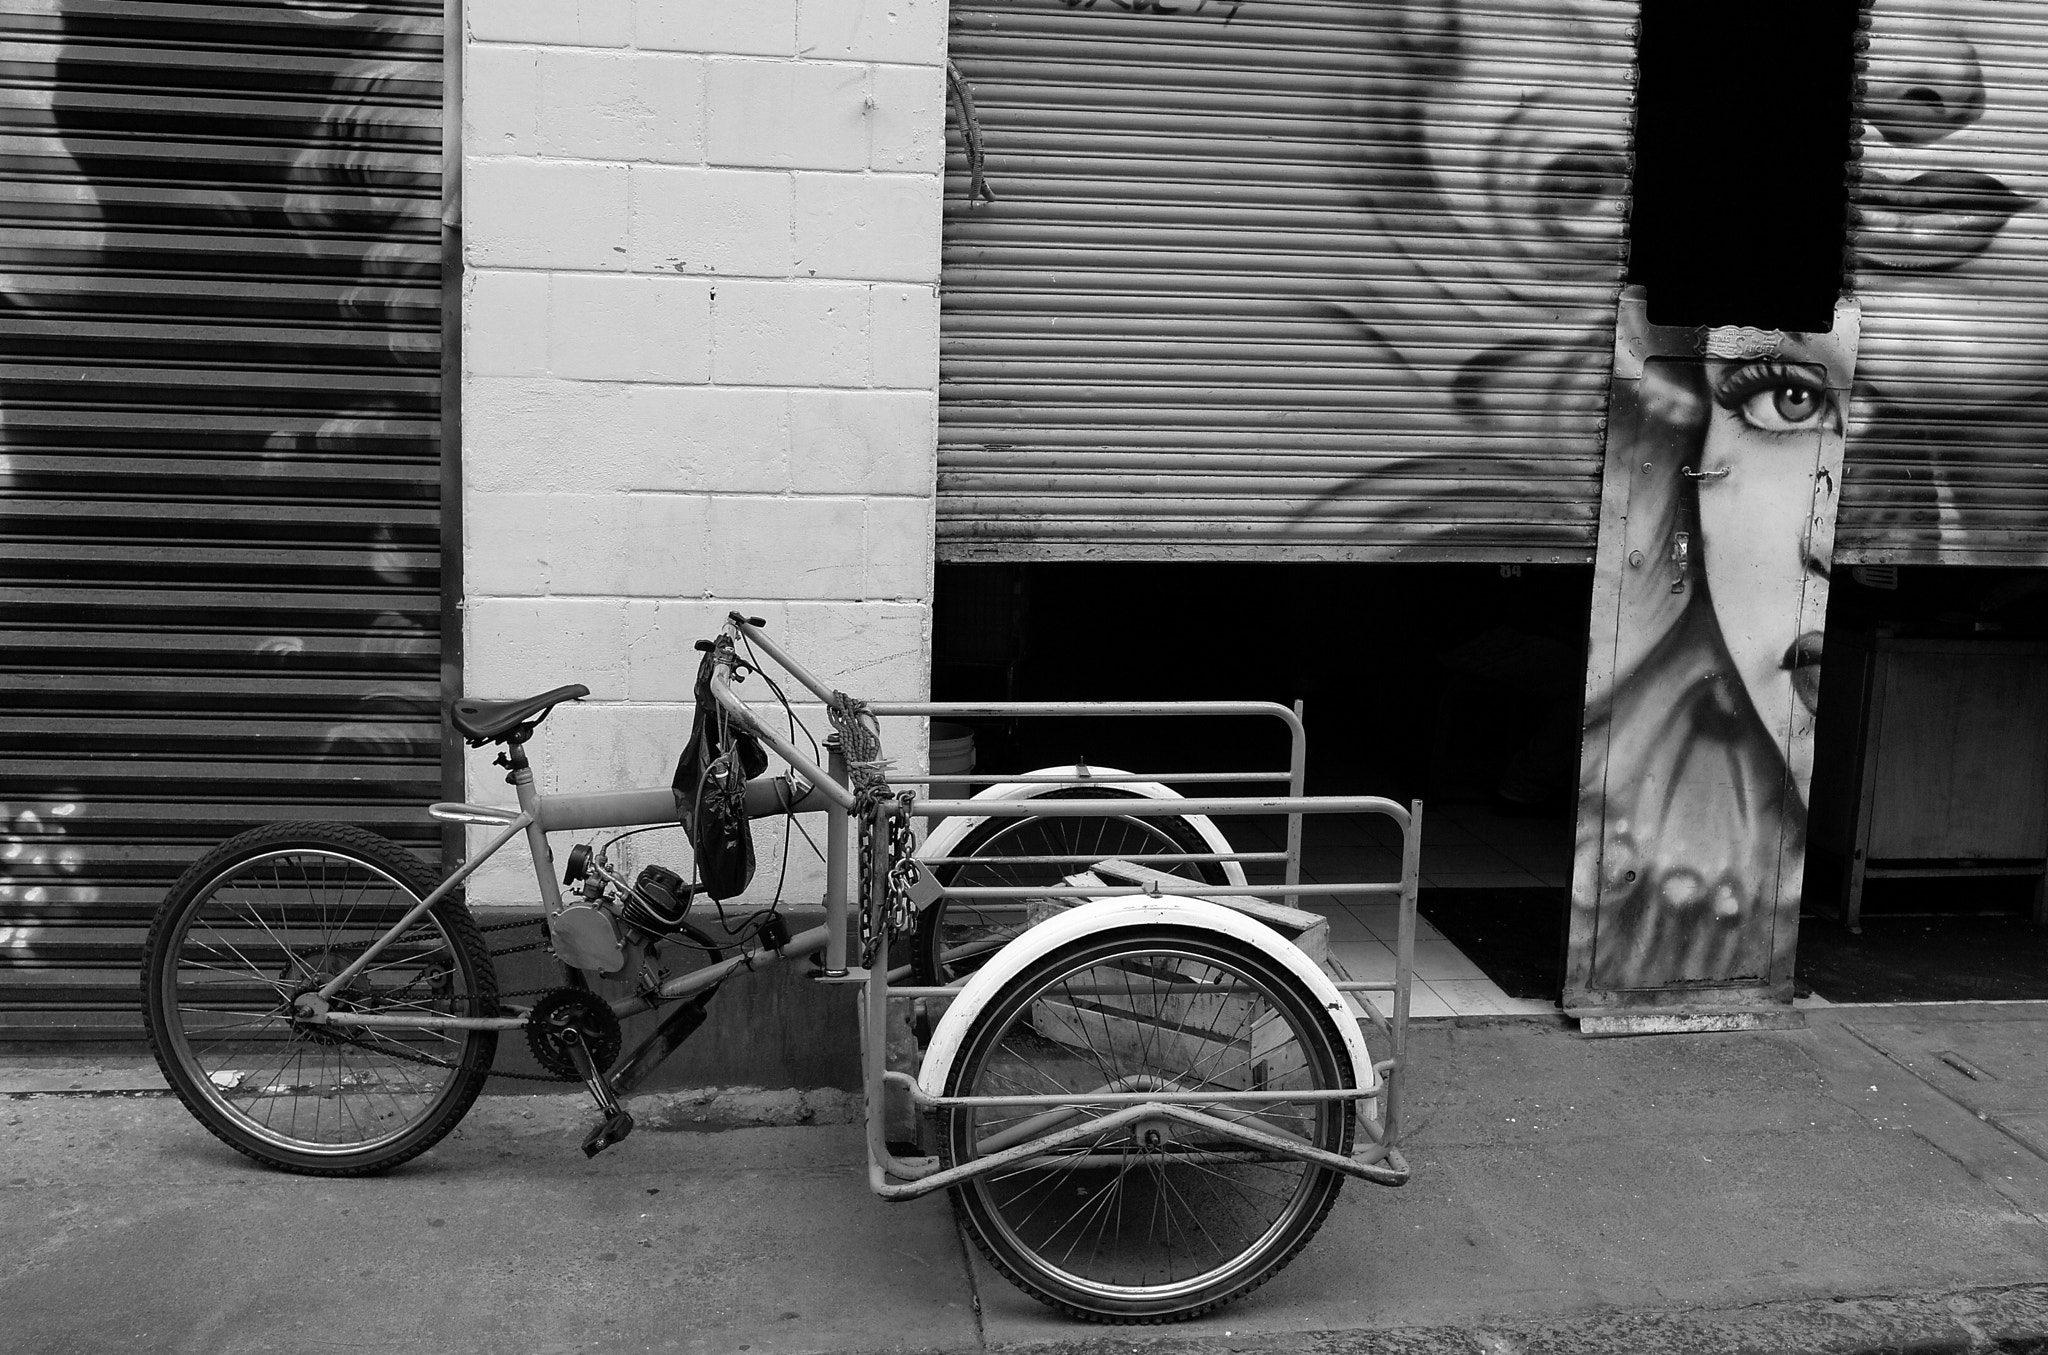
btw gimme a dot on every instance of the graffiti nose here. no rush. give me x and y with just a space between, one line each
1939 89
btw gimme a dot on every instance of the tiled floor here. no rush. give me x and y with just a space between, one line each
1463 846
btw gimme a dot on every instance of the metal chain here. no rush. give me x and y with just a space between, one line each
868 770
900 871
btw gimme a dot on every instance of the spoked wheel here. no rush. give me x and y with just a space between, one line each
956 936
1155 1221
274 914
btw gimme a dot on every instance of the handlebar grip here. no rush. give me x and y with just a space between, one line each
757 621
705 646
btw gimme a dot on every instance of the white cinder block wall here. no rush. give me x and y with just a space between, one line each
700 345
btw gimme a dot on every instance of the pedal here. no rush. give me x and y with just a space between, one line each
617 1122
614 1129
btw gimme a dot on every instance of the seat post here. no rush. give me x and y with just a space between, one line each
513 759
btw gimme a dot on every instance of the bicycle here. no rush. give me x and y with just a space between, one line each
1142 1098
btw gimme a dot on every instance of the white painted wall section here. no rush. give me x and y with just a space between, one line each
700 336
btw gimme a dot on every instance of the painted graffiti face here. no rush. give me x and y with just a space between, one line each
1756 507
1492 190
1955 196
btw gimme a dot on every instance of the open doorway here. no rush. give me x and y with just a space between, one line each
1929 830
1459 684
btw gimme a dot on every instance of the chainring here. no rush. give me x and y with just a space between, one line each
588 1015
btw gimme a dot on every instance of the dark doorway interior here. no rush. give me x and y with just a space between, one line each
1458 684
1455 683
1953 938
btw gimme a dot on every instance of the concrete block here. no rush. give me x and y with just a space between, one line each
786 548
863 442
501 100
622 106
877 651
623 545
613 746
584 556
786 114
516 646
542 435
506 880
504 323
790 334
545 214
718 438
874 226
505 546
907 124
903 336
899 540
661 661
758 27
912 31
630 328
725 221
664 539
575 23
906 742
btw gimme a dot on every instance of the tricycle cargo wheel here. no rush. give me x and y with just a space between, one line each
1155 1221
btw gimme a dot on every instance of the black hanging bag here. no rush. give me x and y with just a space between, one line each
711 787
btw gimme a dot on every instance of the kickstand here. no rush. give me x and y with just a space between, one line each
617 1122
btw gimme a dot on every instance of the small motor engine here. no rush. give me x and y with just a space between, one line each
659 901
589 934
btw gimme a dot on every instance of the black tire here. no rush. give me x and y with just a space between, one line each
956 936
1152 1223
273 913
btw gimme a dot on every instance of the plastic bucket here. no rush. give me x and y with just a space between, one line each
952 751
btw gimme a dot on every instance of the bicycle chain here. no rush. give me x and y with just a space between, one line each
523 992
406 1055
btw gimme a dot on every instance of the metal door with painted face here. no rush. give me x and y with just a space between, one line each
1717 518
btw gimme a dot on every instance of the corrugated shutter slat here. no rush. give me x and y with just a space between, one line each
1948 446
1303 280
220 603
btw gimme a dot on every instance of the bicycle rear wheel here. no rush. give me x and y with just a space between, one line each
1157 1221
275 913
956 936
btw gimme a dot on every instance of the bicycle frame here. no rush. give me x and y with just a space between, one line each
829 789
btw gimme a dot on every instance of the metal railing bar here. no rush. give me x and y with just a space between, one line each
1192 889
1147 808
998 862
1219 1098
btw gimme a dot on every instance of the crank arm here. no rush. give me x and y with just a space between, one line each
617 1122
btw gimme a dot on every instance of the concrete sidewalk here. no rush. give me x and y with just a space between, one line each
1873 1182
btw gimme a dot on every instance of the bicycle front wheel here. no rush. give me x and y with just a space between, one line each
1156 1221
955 937
276 913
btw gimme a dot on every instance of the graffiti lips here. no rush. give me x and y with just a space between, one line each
1935 221
1802 660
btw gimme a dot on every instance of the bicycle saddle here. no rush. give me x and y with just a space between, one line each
482 721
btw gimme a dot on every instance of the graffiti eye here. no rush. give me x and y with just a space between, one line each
1785 409
1776 397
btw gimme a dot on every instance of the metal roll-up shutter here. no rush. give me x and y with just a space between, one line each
1282 280
220 311
1948 445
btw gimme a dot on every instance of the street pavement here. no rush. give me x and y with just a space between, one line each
1875 1182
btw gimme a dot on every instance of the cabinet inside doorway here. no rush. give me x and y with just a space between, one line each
1933 762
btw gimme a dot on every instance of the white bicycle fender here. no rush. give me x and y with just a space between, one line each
1099 916
950 832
